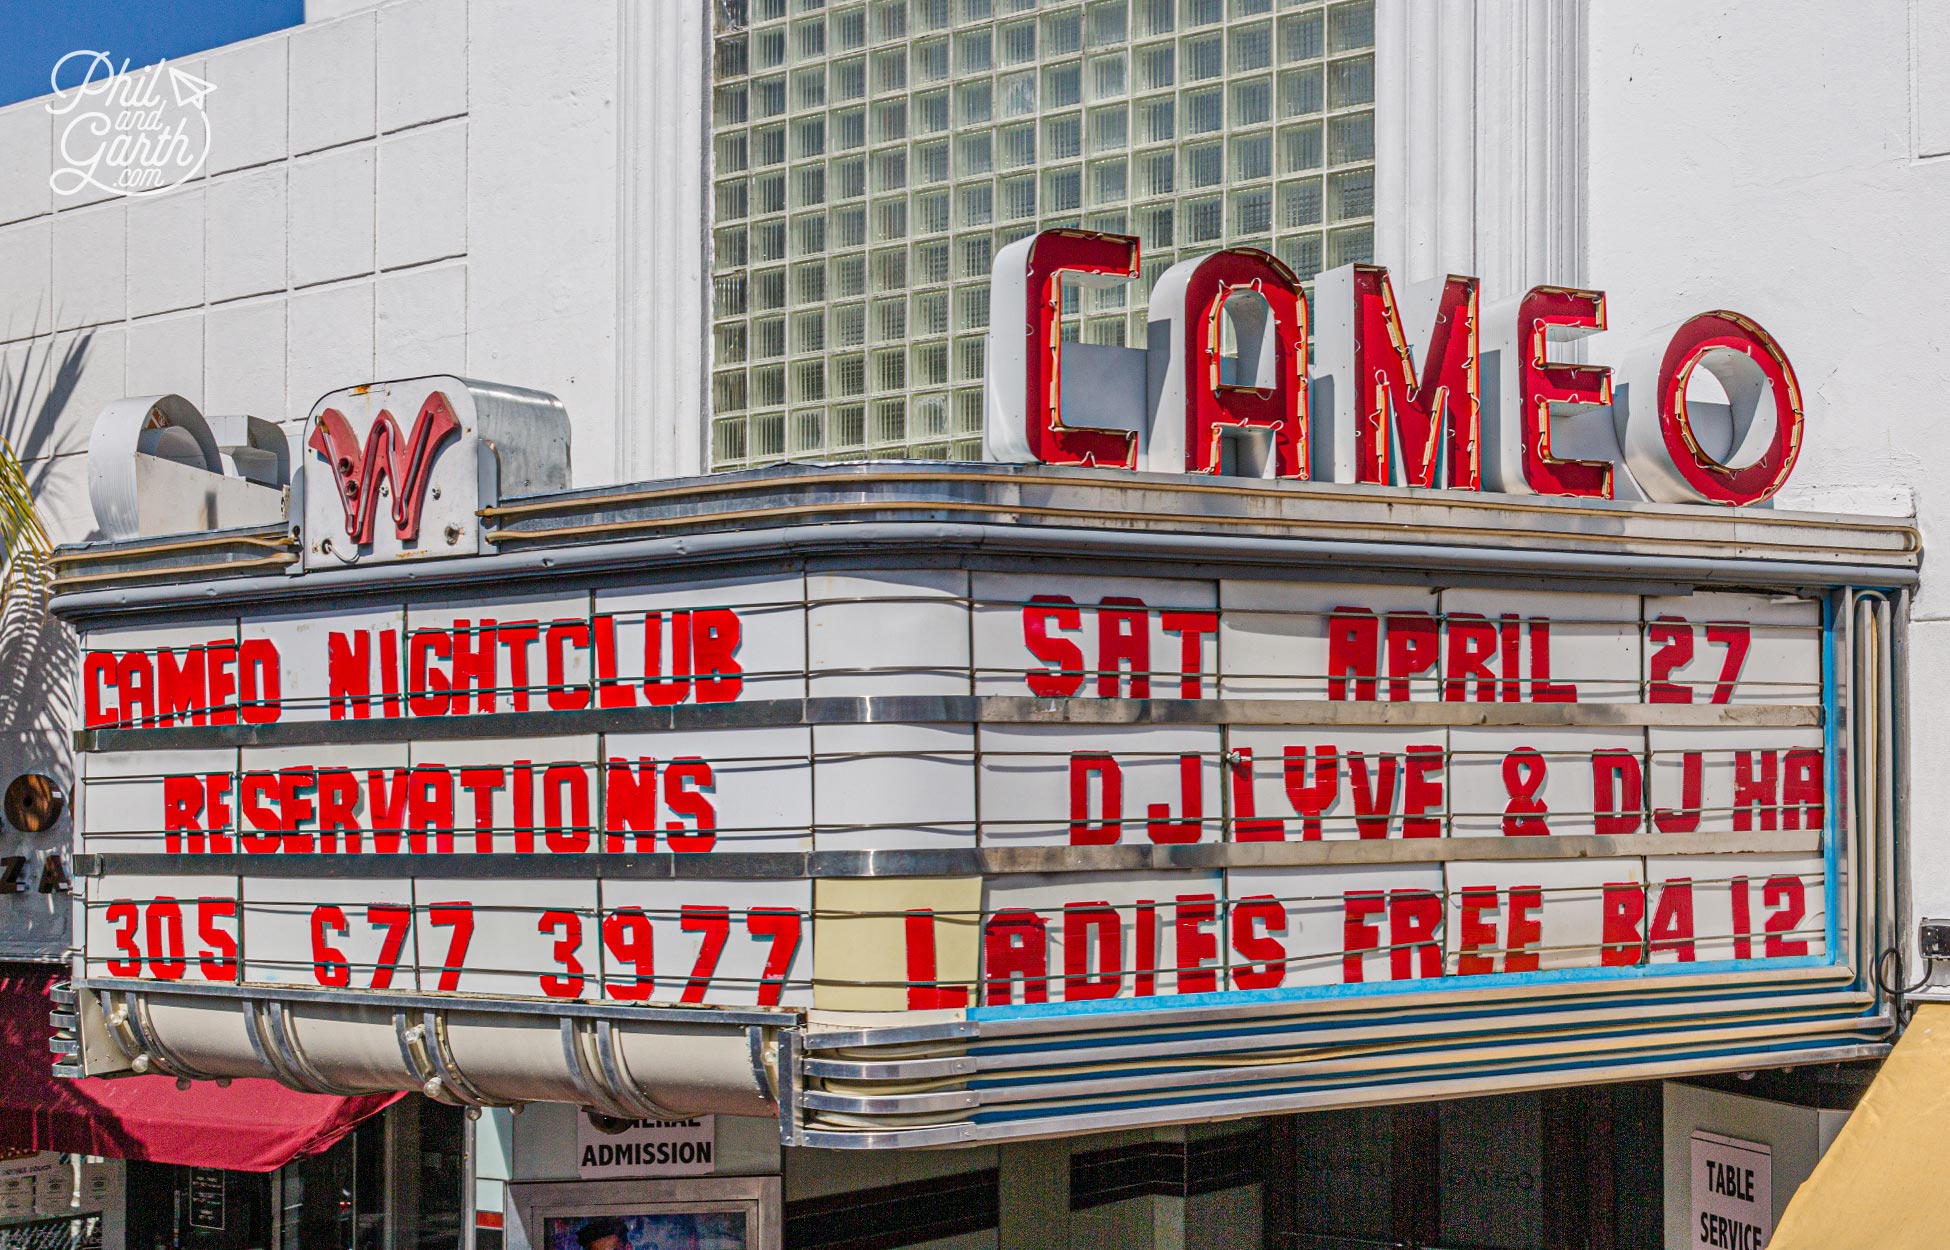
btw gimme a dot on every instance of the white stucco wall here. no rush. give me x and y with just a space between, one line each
1771 156
1740 157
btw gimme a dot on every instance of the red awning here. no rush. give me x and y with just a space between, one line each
249 1126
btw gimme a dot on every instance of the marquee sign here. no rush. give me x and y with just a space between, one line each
1001 769
917 805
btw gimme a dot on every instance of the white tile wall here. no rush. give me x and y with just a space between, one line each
45 384
24 155
331 213
335 234
541 174
248 108
421 323
26 266
422 62
245 222
328 342
16 360
61 489
244 358
70 132
166 252
19 363
252 288
91 266
332 83
166 357
88 370
423 195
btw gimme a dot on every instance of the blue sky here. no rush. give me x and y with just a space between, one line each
34 34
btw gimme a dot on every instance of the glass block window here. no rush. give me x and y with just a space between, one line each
870 156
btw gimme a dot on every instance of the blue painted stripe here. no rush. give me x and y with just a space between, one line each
1386 989
1433 1045
1733 997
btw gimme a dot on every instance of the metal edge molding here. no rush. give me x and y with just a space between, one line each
876 1090
987 861
447 1002
805 512
673 559
890 1136
950 709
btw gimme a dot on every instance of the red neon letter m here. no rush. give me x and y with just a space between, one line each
358 470
1392 410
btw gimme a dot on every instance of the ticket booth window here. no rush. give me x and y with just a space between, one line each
704 1212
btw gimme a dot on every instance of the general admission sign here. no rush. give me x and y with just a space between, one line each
924 803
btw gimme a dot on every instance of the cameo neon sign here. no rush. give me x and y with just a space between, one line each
1379 406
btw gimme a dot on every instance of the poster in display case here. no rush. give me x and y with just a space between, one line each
704 1213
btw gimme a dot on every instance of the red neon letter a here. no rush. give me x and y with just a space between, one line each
1212 406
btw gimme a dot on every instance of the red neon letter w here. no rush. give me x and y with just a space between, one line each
358 471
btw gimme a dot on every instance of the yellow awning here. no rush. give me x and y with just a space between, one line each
1881 1185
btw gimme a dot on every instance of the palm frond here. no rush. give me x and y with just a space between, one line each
24 543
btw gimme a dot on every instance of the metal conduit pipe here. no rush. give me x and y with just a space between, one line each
1885 780
1873 738
1859 844
448 1074
619 1084
1905 915
573 1055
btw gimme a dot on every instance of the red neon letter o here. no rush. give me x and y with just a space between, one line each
1748 355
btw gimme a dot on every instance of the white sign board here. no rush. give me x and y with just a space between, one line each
645 1148
1063 785
1451 775
1733 1193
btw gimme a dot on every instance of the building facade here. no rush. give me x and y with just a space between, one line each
1079 966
